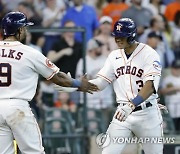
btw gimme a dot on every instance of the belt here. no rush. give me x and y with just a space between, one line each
138 108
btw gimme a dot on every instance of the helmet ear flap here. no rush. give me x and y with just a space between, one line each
131 39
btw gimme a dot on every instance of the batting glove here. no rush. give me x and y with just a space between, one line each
123 112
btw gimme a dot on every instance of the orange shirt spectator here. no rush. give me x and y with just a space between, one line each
59 104
114 10
171 10
64 102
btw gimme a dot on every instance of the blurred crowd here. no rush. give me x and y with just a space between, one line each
158 25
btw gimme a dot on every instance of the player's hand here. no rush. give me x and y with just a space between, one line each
163 107
123 112
87 86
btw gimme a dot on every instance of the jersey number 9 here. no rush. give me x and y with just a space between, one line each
5 73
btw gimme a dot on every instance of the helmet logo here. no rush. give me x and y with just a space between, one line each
8 20
118 27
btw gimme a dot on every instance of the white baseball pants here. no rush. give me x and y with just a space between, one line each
18 122
142 124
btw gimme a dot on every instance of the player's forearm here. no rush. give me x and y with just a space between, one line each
147 90
62 79
101 83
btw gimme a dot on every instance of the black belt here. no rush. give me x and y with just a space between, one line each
138 108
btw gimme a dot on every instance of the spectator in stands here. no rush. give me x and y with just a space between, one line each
28 42
171 10
84 16
114 9
157 25
52 16
11 5
167 31
38 5
156 7
98 5
46 94
166 2
28 10
104 35
139 14
176 35
65 103
171 90
66 52
94 62
153 39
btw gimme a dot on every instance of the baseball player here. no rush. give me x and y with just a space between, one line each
134 70
19 69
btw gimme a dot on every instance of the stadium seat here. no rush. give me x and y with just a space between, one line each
53 127
95 120
53 113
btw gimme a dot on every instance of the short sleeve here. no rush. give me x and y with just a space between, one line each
152 67
107 72
44 66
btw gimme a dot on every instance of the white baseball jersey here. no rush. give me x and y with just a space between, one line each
131 74
19 69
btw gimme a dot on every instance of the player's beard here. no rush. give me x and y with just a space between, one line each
23 41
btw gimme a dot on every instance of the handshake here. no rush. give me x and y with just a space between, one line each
84 87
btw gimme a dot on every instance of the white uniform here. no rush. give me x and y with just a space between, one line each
172 101
19 69
128 77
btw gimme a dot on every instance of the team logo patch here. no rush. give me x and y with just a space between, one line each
157 65
49 63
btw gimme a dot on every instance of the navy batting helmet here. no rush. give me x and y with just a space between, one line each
125 27
12 21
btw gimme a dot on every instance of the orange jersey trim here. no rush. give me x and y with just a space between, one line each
52 74
105 78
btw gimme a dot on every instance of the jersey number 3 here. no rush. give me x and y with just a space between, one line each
5 74
140 84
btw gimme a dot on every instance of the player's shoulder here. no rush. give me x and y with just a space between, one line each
114 54
148 51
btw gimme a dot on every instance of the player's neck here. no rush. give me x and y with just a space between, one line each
131 48
10 38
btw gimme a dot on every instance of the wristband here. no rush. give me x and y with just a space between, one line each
76 83
137 100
